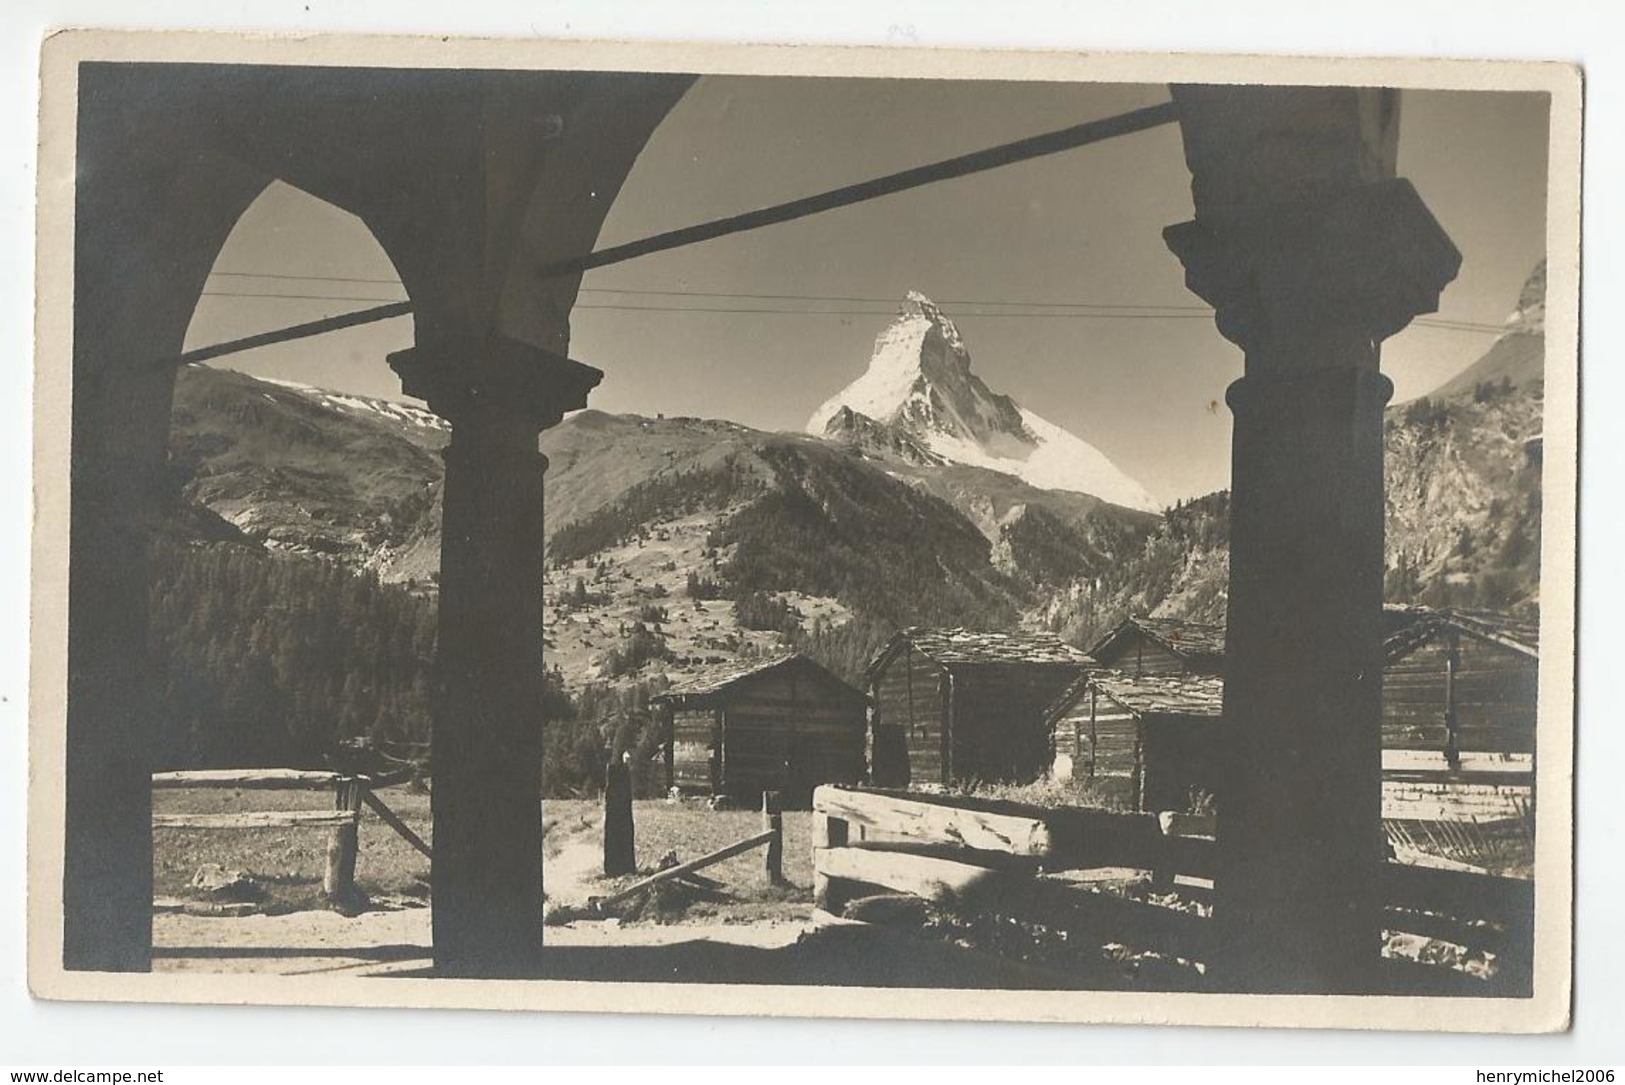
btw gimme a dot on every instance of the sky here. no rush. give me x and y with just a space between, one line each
1082 226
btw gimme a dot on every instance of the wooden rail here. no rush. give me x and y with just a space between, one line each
257 819
737 848
350 793
976 857
247 779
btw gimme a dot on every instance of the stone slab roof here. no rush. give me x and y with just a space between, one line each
1186 639
1407 628
969 647
1162 695
718 678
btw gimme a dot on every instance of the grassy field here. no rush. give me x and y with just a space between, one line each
287 863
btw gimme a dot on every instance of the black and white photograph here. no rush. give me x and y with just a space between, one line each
805 532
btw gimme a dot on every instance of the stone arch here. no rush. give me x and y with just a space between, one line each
467 180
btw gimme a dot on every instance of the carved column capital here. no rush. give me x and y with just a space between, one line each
1356 266
496 384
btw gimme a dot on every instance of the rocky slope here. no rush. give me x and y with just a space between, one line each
1462 474
919 402
302 470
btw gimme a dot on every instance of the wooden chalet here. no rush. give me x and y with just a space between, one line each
1157 733
1162 646
781 724
1458 713
1459 708
958 706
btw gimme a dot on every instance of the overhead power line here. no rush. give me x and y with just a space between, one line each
1027 310
1115 308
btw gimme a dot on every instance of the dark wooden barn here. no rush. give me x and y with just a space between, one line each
954 706
783 724
1459 707
1162 646
1156 734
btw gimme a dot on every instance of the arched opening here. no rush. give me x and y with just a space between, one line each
292 577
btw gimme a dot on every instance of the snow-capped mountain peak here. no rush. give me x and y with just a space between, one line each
920 386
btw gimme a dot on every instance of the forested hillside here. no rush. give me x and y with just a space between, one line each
271 659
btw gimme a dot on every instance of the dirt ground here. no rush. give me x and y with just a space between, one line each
382 943
291 932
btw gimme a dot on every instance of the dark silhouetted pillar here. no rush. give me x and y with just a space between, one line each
620 847
487 873
151 210
1312 252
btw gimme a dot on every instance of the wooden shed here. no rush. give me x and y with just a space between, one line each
1157 733
781 724
958 706
1459 709
1162 646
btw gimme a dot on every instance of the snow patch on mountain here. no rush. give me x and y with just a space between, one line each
366 405
920 386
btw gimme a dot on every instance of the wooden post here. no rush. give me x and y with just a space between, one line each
1452 724
343 844
1094 734
1139 765
716 751
669 720
828 832
773 821
620 854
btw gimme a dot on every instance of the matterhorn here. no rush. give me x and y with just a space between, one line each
919 400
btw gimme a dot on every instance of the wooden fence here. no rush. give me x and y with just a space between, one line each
350 793
971 857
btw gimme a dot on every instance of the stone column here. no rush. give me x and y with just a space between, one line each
107 857
1312 253
486 750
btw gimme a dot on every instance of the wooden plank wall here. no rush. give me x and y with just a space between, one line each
1115 732
908 722
694 752
1420 800
997 727
788 734
1496 691
1139 654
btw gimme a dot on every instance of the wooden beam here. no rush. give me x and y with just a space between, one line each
258 819
827 832
1022 150
1521 776
739 848
393 820
295 331
932 823
247 779
966 888
1458 893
